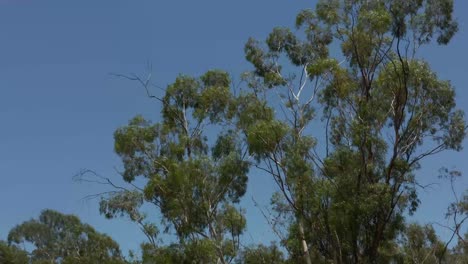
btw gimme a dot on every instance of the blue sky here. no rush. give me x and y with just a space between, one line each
59 106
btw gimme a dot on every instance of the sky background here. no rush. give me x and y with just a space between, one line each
59 105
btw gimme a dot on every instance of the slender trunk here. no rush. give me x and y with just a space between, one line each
214 236
305 248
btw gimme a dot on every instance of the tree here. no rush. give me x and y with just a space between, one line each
459 253
59 238
457 215
190 166
261 254
383 111
421 245
10 254
351 71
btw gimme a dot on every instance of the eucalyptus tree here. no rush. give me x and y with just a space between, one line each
457 218
10 254
59 238
422 245
260 254
345 112
459 254
186 172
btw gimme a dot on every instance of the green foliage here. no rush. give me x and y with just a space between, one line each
200 251
459 253
261 254
383 112
192 181
251 109
345 174
264 136
421 245
59 238
10 254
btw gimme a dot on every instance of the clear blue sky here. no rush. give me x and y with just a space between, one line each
59 106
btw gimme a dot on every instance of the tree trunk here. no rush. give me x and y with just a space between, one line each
305 248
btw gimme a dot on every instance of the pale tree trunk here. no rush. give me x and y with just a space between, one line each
305 248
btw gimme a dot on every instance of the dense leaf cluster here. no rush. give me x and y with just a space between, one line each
58 238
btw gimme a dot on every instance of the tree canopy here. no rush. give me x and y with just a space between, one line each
339 112
59 238
383 111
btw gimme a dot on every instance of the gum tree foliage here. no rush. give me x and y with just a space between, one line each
456 216
261 254
346 111
59 238
190 167
421 245
10 254
459 254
